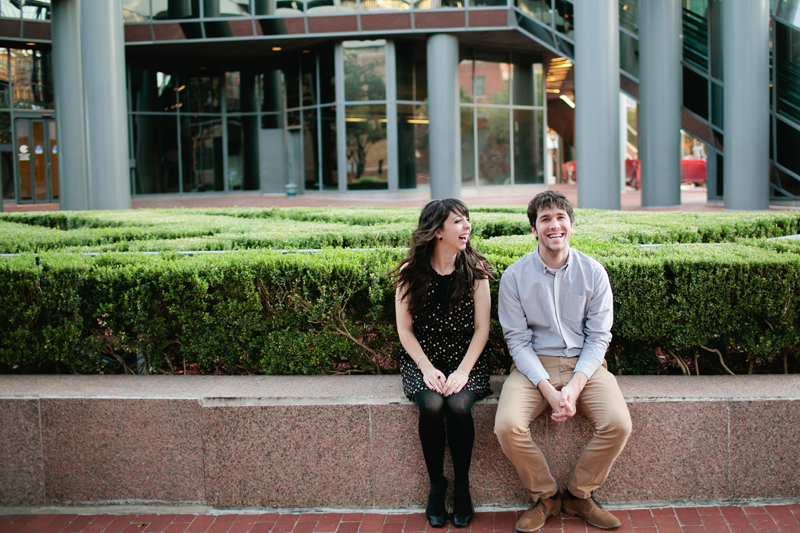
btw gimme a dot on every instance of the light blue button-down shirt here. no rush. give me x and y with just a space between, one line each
566 312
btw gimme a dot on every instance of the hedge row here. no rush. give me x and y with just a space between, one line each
265 312
293 228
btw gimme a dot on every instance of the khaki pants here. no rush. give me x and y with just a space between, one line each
601 402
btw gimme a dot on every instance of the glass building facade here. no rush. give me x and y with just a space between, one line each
332 95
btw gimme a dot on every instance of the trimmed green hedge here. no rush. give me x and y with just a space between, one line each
298 228
299 313
725 299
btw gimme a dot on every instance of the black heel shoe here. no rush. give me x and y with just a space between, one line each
462 506
436 512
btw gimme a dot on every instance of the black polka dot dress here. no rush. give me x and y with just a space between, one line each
444 336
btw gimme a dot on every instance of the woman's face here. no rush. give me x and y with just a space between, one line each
455 231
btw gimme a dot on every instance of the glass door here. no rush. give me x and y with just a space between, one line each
37 160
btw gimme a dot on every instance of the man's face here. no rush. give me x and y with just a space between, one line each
552 228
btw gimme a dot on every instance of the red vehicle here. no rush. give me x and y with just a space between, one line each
692 171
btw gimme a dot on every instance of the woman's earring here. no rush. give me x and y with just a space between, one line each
440 237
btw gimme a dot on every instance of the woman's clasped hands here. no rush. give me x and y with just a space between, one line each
435 380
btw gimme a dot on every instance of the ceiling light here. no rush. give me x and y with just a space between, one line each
567 101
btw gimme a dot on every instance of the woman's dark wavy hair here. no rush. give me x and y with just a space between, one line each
414 272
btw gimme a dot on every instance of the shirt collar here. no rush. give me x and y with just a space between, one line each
544 268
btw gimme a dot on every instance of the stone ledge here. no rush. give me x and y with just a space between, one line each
350 442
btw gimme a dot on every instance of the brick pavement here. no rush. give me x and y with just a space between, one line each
712 519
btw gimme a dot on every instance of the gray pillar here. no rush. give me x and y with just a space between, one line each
597 103
89 79
660 28
444 117
70 105
746 114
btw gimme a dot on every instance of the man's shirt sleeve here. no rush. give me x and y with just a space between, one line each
597 328
516 331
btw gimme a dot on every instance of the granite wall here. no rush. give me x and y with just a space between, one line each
351 441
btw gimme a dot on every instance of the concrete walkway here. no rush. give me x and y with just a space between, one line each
725 519
692 199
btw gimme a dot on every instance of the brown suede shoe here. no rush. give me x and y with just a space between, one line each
590 511
537 514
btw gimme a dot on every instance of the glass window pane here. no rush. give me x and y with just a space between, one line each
465 71
9 8
175 9
364 70
695 93
467 146
494 88
24 159
292 85
271 91
494 166
629 15
32 78
233 81
487 3
716 31
310 144
5 87
327 76
565 20
201 153
366 147
243 153
788 184
436 4
717 105
39 163
7 173
249 87
528 146
695 33
787 59
538 9
202 95
788 140
228 8
330 172
538 74
629 54
523 80
53 149
411 72
135 10
5 127
153 91
373 5
309 66
155 148
412 139
36 9
787 9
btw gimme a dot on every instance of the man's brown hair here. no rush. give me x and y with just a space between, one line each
546 199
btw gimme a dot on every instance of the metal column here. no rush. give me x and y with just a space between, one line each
443 113
89 78
597 103
746 113
660 28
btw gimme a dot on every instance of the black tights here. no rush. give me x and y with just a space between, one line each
457 410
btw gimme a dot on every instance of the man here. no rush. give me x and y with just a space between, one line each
556 309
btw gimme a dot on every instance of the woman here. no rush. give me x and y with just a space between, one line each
443 305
